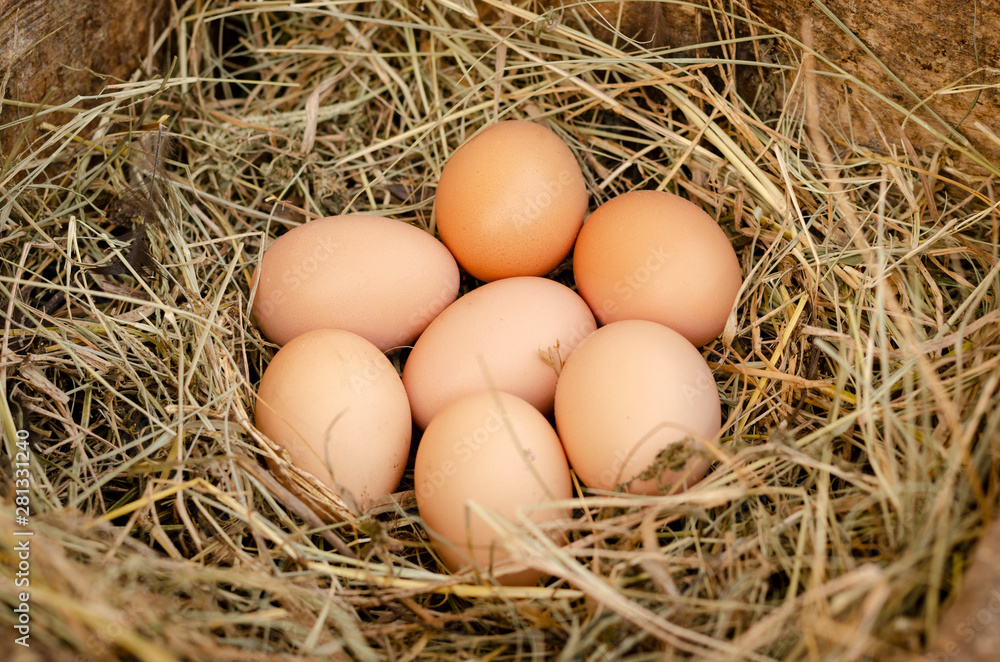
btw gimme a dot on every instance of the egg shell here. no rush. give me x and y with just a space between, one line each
382 279
497 451
511 201
626 397
655 256
336 404
510 334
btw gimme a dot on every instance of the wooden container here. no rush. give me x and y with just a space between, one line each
930 62
53 50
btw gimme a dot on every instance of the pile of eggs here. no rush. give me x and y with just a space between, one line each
614 365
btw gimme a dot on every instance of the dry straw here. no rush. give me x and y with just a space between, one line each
859 375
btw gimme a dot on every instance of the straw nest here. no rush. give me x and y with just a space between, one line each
859 375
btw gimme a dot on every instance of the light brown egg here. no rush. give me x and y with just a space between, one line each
634 404
511 201
382 279
498 452
656 256
511 334
336 404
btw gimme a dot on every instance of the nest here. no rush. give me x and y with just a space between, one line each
856 468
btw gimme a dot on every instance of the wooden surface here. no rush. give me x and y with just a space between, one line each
908 52
927 45
53 50
644 23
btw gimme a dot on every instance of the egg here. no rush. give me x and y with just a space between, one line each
336 404
511 335
634 405
382 279
511 201
496 451
656 256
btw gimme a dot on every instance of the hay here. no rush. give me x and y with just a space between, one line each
857 464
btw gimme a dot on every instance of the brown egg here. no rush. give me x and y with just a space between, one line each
382 279
336 404
634 404
656 256
511 201
494 450
511 335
